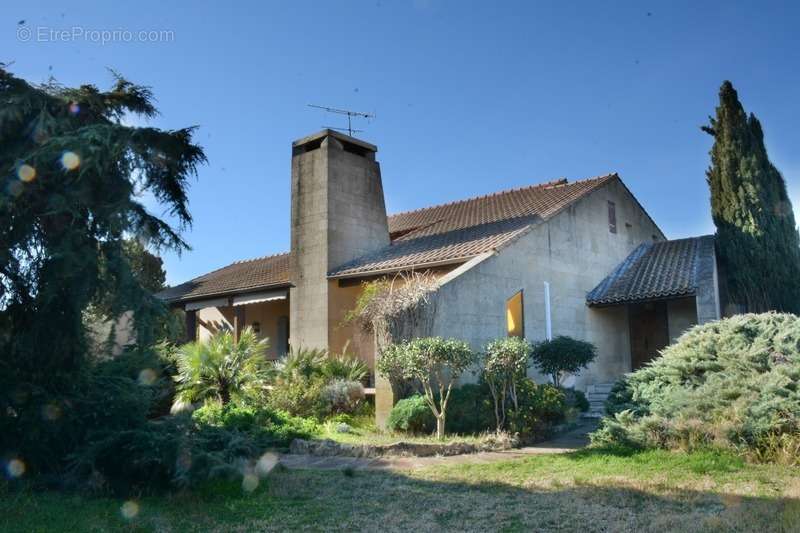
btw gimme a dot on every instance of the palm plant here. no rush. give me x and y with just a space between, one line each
304 363
221 368
344 367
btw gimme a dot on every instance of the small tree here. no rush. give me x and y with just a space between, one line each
505 362
435 363
562 355
221 367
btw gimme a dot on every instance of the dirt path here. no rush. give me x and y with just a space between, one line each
566 442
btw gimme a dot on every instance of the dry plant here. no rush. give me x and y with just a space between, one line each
399 309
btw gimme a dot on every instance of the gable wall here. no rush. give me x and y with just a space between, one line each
573 252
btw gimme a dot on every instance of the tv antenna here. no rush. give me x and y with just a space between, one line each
350 115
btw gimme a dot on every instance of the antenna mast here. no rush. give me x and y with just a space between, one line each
350 114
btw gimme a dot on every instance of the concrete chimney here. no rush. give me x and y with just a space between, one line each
338 214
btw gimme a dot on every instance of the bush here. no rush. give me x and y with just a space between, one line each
540 407
168 453
435 363
411 415
342 396
269 427
312 383
562 355
43 426
299 396
734 384
505 362
470 409
576 399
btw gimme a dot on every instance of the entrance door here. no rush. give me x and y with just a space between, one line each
649 331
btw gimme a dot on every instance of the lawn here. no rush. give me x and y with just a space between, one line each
582 491
364 431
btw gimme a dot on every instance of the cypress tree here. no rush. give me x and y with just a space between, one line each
757 240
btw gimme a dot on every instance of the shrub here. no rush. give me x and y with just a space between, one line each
167 453
540 407
576 399
505 362
43 426
269 427
435 363
312 383
734 383
221 367
411 415
470 409
299 396
562 355
343 396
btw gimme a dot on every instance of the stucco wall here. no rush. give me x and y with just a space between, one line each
681 315
213 319
573 252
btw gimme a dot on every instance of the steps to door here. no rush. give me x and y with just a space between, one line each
597 395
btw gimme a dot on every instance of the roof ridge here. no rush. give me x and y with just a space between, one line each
559 182
698 237
241 261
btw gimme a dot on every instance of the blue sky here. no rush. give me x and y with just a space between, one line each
470 97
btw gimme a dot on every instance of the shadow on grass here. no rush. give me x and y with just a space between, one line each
431 500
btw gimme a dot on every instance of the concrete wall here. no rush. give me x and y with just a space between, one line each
573 252
211 320
708 296
681 315
338 214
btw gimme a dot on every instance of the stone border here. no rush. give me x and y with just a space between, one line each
330 448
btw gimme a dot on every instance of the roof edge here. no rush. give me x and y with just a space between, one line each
230 292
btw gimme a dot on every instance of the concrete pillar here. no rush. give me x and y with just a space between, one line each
707 297
338 214
238 321
191 326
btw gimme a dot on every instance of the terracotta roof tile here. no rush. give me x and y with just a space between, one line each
655 270
467 228
241 276
444 233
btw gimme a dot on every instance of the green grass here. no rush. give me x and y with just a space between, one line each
364 431
590 490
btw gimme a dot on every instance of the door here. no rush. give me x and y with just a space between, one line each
649 331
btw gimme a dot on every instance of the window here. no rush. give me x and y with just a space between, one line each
515 318
612 217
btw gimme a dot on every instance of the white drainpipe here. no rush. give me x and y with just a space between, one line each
548 323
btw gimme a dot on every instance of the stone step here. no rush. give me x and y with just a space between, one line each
600 388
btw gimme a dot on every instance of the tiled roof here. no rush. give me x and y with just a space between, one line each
656 270
241 276
467 228
445 233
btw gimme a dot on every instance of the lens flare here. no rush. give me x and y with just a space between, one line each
147 377
15 468
26 173
250 482
129 510
51 412
14 188
70 160
266 463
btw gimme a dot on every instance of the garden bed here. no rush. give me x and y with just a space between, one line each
403 448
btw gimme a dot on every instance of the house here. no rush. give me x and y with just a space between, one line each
579 258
